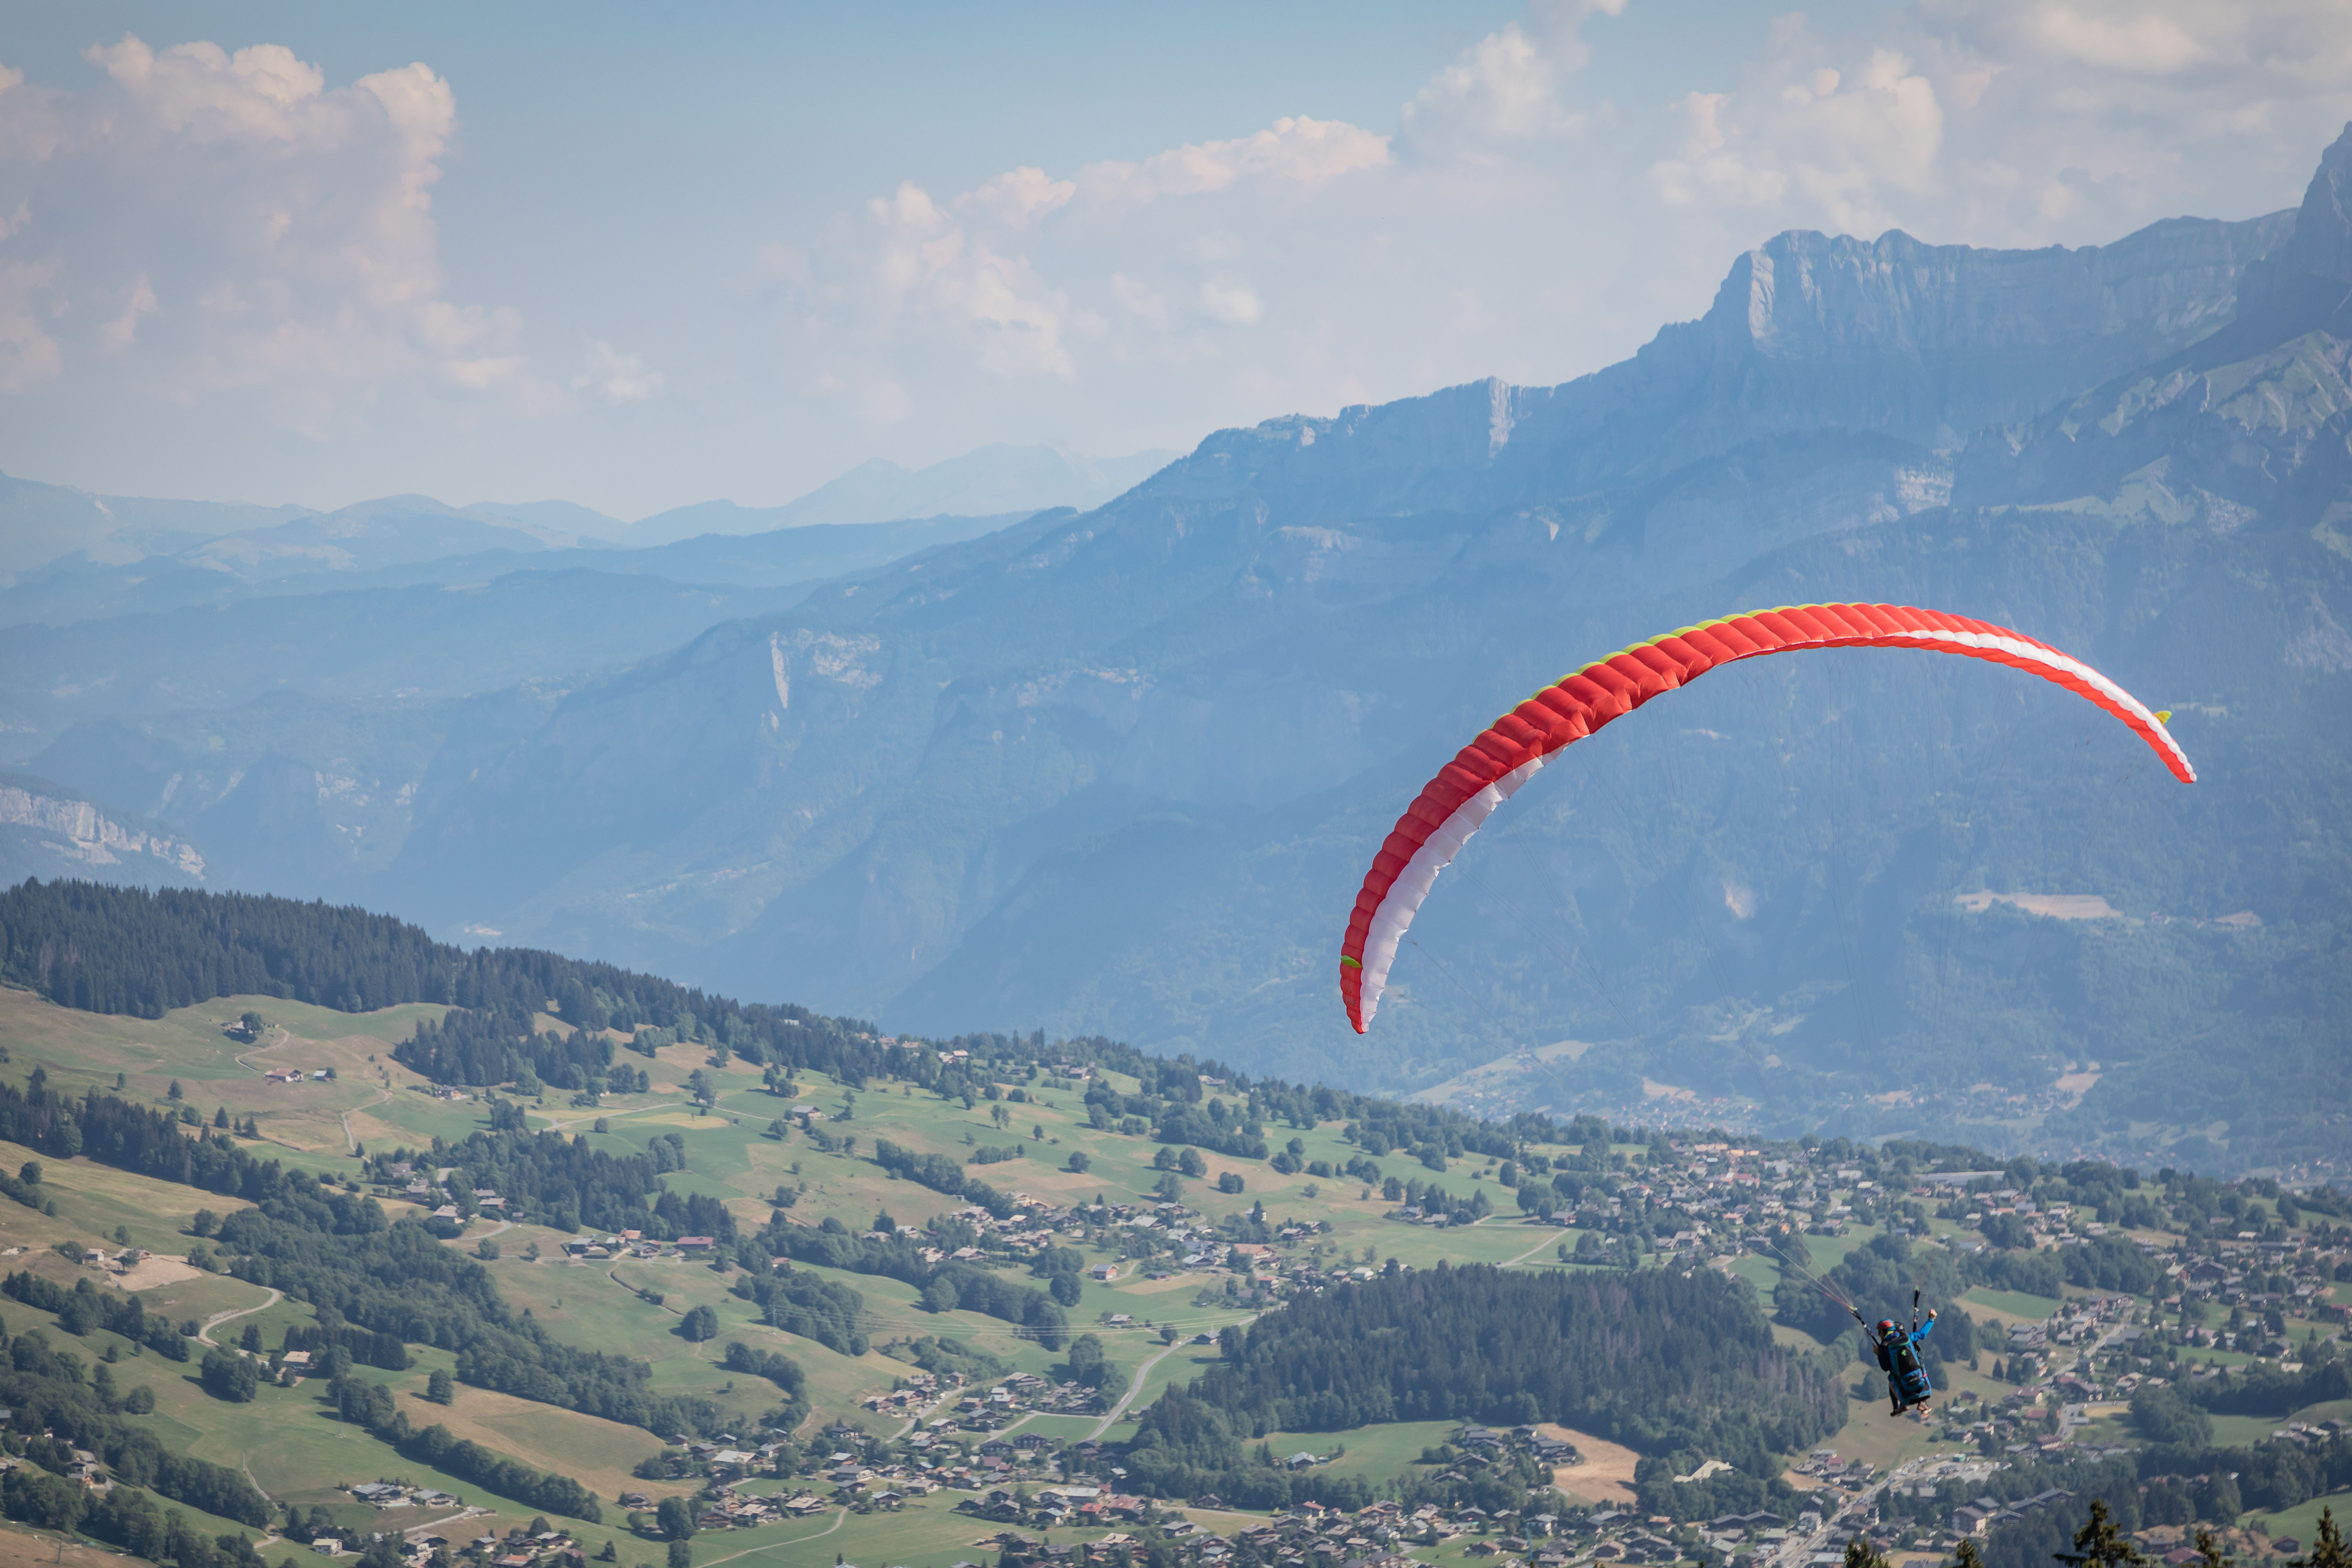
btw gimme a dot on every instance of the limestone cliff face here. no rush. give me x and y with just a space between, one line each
2322 244
2248 421
1936 341
79 830
1809 334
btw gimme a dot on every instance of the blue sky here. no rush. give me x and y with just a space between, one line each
638 258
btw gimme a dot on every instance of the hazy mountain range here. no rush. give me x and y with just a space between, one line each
1120 769
70 531
993 481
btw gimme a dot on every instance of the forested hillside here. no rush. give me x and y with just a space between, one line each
126 950
1655 1360
135 952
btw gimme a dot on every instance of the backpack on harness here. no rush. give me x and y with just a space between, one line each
1900 1357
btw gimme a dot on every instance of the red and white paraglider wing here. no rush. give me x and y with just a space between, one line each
1508 752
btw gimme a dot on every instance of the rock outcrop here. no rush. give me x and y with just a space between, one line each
82 838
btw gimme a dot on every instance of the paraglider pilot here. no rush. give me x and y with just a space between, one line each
1898 1357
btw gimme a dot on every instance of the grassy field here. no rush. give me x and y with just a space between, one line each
2234 1430
303 1123
1373 1452
1760 1272
2302 1522
2010 1306
927 1533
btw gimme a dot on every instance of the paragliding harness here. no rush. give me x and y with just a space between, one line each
1898 1356
1898 1353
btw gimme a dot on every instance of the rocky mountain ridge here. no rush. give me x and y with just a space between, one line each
1119 771
49 831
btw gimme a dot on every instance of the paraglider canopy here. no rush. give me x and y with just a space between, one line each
1508 752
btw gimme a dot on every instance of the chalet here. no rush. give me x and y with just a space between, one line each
696 1243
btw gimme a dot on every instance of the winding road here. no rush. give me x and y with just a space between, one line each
1551 1240
1133 1388
839 1514
205 1331
204 1335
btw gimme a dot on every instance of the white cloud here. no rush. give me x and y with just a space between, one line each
2017 122
929 274
124 331
1826 148
2141 44
1234 303
1506 87
616 377
1295 151
28 355
279 232
201 92
1019 198
997 283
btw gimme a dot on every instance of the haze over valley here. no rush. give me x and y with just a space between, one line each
1111 767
